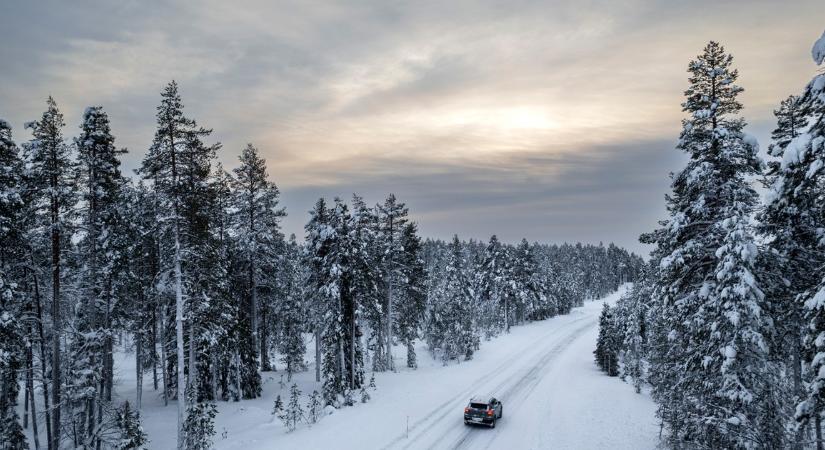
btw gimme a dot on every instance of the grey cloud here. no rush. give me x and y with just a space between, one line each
329 91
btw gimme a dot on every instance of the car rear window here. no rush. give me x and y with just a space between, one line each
478 405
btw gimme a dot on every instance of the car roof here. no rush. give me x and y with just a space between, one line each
481 398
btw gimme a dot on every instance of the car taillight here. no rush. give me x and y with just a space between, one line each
489 412
466 410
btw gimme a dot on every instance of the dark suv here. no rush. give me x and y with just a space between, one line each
483 411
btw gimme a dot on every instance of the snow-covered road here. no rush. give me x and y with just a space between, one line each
554 397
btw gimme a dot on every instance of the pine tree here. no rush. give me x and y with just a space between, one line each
314 407
103 252
292 311
13 351
257 219
172 164
412 297
314 251
200 424
140 316
606 352
493 289
631 320
132 436
707 298
368 279
392 218
278 406
804 196
50 175
293 414
332 255
365 396
523 287
451 327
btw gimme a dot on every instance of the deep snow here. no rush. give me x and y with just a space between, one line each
543 372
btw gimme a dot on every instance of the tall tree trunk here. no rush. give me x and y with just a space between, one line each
213 376
796 360
163 370
352 349
253 302
317 355
263 334
390 363
139 370
818 431
56 322
108 348
181 388
390 279
90 406
30 391
43 356
26 391
154 346
193 381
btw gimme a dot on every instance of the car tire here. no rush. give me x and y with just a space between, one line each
501 413
493 425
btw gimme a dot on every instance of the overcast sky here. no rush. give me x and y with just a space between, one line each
550 120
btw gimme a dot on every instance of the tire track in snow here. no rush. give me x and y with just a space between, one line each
437 414
520 391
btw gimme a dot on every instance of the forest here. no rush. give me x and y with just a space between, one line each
726 324
184 264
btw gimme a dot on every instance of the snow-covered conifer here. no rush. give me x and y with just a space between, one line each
293 413
131 435
315 407
607 350
707 298
50 176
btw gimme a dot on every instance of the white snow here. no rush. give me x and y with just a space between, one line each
553 394
818 51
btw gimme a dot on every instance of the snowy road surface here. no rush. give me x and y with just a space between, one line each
554 397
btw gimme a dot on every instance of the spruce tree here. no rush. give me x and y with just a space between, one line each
103 252
292 310
278 406
332 255
493 289
13 349
707 297
392 218
200 424
131 436
257 221
804 196
451 327
315 250
606 352
293 414
314 407
631 318
50 176
412 297
174 163
523 286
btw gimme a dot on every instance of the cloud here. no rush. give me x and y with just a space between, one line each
545 119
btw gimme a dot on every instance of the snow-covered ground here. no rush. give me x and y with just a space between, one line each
552 392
